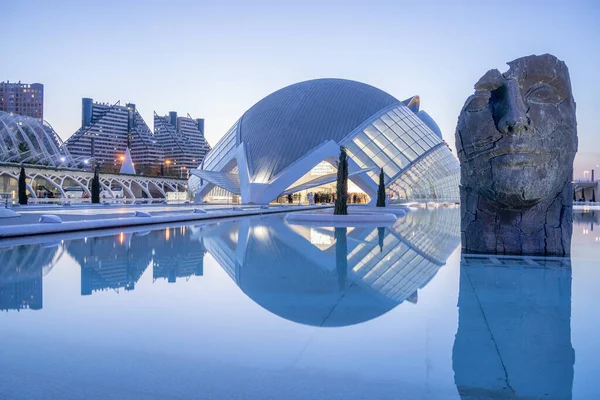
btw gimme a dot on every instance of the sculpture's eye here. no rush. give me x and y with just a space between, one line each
476 103
543 94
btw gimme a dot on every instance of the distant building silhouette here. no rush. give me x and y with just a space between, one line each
26 99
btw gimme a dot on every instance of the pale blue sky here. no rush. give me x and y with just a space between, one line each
216 59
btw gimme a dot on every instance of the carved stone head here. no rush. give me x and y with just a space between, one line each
516 140
517 134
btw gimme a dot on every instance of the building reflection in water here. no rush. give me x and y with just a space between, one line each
181 255
585 224
118 262
22 269
321 277
312 275
514 332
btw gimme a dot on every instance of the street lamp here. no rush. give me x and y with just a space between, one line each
167 163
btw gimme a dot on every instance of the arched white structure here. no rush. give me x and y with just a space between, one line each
26 140
133 185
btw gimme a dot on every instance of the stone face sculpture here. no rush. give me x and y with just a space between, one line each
516 140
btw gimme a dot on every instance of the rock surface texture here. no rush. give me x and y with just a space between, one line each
516 140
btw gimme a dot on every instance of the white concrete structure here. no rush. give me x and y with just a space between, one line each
28 140
271 150
113 185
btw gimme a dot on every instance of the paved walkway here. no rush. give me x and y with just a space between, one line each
88 217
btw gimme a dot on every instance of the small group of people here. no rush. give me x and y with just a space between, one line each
320 197
324 197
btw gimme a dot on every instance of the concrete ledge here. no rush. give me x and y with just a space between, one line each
399 211
86 225
352 219
7 213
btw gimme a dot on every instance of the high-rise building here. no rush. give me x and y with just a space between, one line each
26 99
181 140
106 131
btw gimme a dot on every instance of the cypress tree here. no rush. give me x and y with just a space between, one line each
381 236
341 256
96 187
22 187
341 198
381 190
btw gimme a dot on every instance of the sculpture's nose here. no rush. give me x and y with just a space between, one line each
512 111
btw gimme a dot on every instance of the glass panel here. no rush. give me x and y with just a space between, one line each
371 149
356 154
394 116
391 169
402 161
371 132
400 144
380 125
381 159
381 141
417 148
386 118
410 121
410 154
361 140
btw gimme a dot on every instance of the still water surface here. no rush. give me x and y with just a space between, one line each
256 308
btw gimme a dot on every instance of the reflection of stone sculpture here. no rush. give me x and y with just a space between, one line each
516 140
514 335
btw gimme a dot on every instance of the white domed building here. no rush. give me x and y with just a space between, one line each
289 143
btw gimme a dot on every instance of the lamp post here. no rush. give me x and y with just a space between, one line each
584 174
167 163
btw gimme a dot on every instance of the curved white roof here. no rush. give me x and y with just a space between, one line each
26 140
292 121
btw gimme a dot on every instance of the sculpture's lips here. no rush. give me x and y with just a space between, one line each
519 158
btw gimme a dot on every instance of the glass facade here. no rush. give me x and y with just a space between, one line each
217 158
417 164
434 177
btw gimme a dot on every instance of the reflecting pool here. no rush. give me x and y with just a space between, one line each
257 308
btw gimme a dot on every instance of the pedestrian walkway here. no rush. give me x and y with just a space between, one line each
92 217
